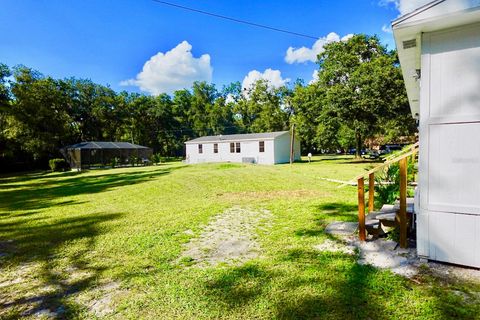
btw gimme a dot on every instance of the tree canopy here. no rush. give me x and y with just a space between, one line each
359 94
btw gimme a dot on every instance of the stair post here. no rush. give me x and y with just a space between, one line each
361 209
403 203
371 191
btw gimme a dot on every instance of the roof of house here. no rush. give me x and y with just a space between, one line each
105 145
238 137
408 29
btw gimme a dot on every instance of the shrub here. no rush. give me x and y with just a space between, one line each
156 158
387 185
133 160
115 162
57 165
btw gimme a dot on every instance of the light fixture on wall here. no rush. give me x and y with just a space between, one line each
417 119
416 74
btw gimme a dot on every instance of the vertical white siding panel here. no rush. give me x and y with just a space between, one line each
282 149
449 158
464 239
423 245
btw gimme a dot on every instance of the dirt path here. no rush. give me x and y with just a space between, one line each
229 238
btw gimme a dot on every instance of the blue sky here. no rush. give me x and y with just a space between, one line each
110 41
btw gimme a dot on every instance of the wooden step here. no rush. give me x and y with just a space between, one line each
410 207
372 223
387 216
387 208
373 227
388 219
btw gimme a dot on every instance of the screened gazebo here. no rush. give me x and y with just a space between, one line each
92 154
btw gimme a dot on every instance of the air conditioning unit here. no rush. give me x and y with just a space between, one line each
248 160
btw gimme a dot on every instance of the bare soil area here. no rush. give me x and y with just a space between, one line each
229 238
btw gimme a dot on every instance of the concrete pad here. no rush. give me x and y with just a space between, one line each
341 228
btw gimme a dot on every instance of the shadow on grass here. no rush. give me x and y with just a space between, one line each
318 290
309 284
36 192
338 158
336 211
235 287
326 213
38 244
326 291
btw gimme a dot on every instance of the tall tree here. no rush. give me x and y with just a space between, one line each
40 122
264 108
307 105
361 80
5 99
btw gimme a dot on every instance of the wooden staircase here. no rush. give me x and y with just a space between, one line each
389 215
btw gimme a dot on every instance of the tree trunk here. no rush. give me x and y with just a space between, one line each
359 145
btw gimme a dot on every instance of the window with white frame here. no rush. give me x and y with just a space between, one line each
261 146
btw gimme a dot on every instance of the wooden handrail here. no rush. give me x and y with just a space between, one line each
402 213
406 149
387 163
381 166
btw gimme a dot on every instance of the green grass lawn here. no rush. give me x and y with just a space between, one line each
70 239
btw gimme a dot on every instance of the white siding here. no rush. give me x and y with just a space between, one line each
276 151
282 149
449 172
248 149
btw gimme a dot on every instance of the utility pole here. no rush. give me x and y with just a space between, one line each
292 142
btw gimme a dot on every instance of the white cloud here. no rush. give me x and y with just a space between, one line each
274 77
229 98
405 6
314 77
387 29
304 54
174 70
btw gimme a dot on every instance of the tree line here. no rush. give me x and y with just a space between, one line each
359 94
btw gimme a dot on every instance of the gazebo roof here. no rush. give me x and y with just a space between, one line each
105 145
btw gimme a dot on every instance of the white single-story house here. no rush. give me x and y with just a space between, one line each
439 50
261 148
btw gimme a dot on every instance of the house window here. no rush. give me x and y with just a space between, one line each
237 147
261 146
200 148
215 148
232 147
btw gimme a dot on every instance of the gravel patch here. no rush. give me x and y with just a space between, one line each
228 238
461 273
335 246
105 304
387 254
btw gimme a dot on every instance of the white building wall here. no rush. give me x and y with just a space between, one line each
248 149
282 149
449 167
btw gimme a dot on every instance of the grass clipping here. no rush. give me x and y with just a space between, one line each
229 238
